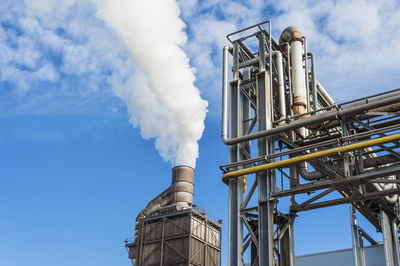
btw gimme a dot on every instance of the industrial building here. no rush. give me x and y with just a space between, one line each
277 118
173 231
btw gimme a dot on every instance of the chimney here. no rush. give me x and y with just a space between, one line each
182 186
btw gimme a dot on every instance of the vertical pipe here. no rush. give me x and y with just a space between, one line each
387 238
298 78
313 81
306 74
288 63
270 68
281 86
224 126
396 244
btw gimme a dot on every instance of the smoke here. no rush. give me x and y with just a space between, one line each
161 97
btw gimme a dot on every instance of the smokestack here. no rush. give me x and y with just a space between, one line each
182 186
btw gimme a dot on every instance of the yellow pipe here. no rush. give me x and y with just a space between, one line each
311 156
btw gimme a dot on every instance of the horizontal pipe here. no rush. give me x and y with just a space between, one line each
334 114
309 157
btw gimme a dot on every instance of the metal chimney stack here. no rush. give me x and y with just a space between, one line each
182 186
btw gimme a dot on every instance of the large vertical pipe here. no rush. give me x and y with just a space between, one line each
235 184
292 35
182 186
264 178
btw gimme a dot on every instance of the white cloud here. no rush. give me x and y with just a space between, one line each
59 47
354 42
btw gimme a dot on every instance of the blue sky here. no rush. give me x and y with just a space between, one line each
75 172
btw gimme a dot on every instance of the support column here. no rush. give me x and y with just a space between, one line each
265 178
235 184
387 239
354 235
287 245
362 251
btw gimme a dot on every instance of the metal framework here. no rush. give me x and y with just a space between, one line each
283 123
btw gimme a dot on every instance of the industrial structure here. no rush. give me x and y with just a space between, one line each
282 122
171 230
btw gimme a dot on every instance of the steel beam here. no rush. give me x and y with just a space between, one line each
235 185
338 183
367 196
354 236
264 178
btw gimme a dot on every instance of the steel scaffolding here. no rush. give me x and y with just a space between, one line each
282 122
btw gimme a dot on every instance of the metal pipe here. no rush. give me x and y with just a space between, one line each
281 85
292 35
324 93
390 199
313 81
225 92
304 41
334 114
312 156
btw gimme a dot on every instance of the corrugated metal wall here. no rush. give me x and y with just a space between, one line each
182 238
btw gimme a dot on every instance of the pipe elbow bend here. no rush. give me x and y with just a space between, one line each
290 34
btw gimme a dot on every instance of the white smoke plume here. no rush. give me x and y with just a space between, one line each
161 97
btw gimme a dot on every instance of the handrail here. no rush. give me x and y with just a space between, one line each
239 31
